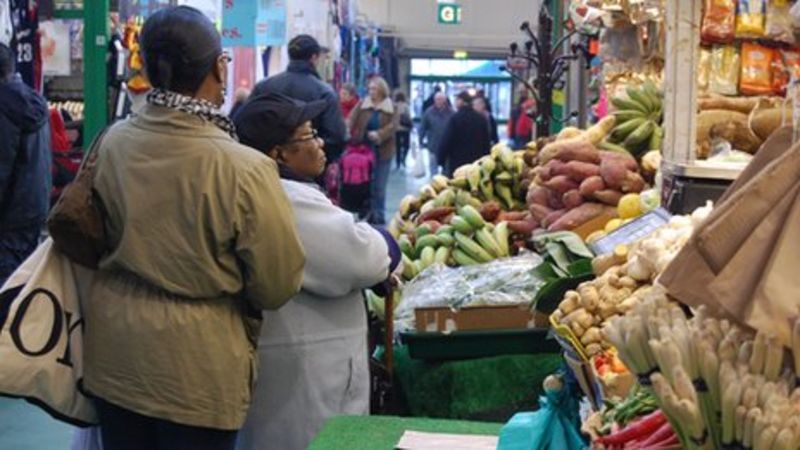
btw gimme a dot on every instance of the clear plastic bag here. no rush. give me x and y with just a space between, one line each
506 281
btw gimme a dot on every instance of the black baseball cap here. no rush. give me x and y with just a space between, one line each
270 119
303 47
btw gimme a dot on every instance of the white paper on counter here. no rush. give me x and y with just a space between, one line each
415 440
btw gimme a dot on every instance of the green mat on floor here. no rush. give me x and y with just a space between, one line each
383 432
491 389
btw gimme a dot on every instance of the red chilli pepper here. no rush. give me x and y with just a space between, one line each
642 427
663 433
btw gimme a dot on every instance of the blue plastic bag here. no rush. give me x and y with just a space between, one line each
555 426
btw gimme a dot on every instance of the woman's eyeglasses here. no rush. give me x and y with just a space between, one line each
314 135
226 58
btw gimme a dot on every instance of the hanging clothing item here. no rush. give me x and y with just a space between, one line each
25 43
6 29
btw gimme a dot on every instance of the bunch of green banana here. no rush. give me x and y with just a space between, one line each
467 239
638 117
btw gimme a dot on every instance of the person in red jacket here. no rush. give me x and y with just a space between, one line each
521 126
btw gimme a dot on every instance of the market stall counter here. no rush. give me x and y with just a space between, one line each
384 432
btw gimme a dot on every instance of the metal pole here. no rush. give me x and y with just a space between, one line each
543 82
95 82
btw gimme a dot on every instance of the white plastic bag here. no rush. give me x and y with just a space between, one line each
419 165
87 439
41 335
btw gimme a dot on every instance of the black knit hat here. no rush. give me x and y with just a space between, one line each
269 120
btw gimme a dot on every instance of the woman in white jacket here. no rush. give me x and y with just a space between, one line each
313 351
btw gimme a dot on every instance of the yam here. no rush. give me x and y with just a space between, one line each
537 195
568 133
613 173
709 118
524 227
741 104
741 138
572 199
511 215
608 196
553 217
579 170
579 151
550 150
763 122
554 200
600 130
539 212
551 169
561 184
490 210
625 158
577 217
590 185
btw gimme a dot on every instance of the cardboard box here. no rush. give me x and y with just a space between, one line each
494 317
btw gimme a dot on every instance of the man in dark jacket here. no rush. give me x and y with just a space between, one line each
466 137
301 81
24 166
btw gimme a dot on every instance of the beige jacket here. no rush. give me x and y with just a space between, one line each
203 237
359 121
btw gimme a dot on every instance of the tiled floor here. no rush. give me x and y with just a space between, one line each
26 427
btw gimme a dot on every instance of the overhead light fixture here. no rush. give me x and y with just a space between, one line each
460 54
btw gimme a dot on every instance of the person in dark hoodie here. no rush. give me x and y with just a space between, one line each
24 166
301 81
466 137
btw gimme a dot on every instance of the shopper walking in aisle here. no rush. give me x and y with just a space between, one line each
481 106
313 351
431 128
302 81
466 137
348 99
520 125
24 166
374 123
404 127
200 237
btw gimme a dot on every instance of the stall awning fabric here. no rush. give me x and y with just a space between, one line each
743 261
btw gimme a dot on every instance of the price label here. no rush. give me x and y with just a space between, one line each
632 231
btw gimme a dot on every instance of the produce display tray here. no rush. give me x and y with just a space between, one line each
479 344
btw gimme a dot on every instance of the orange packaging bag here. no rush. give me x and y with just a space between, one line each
756 76
719 20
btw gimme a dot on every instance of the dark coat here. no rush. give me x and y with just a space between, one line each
466 138
301 81
25 157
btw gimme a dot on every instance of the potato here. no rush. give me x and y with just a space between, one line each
591 335
539 212
633 182
553 217
593 349
537 195
614 173
577 329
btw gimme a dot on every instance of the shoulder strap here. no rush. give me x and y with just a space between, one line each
94 146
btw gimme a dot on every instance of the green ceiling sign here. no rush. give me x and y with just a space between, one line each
449 13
